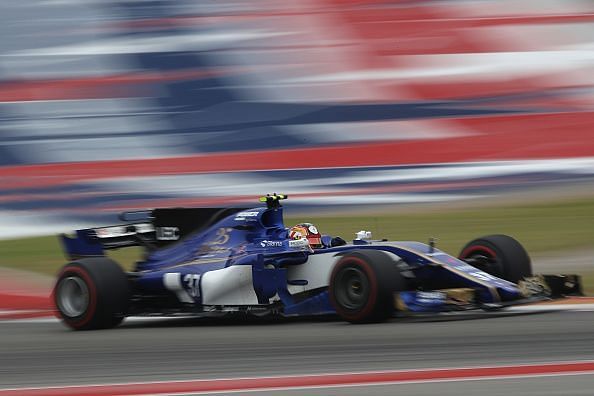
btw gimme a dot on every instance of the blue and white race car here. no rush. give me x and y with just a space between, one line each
208 261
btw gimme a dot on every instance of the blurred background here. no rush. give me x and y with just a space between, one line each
423 118
411 119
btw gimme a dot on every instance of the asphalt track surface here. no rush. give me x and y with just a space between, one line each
44 353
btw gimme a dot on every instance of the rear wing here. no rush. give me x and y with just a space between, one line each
94 241
150 229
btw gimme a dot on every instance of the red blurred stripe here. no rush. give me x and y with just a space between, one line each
532 136
313 381
29 314
92 87
18 301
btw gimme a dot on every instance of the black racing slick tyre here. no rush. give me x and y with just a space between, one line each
92 293
499 255
362 286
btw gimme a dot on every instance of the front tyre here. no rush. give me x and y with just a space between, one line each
362 286
92 293
498 255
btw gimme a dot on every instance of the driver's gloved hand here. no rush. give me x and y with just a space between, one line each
337 241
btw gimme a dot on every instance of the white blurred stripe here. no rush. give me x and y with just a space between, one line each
348 186
491 66
173 43
379 199
228 184
16 224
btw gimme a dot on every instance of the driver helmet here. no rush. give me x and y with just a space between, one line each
308 231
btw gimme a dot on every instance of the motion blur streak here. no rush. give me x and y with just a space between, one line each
108 105
314 381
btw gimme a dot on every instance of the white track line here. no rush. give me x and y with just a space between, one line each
551 307
510 310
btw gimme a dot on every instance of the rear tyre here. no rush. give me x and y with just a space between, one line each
362 286
499 255
92 293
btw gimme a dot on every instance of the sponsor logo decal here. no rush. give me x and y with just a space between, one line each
266 243
241 216
167 233
299 243
430 297
222 236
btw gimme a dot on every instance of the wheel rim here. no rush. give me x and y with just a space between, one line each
73 296
352 292
484 259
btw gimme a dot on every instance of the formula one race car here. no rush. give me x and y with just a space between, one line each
208 261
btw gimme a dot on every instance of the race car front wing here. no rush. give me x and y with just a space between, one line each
533 289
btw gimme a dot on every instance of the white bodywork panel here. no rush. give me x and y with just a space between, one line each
316 271
229 286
